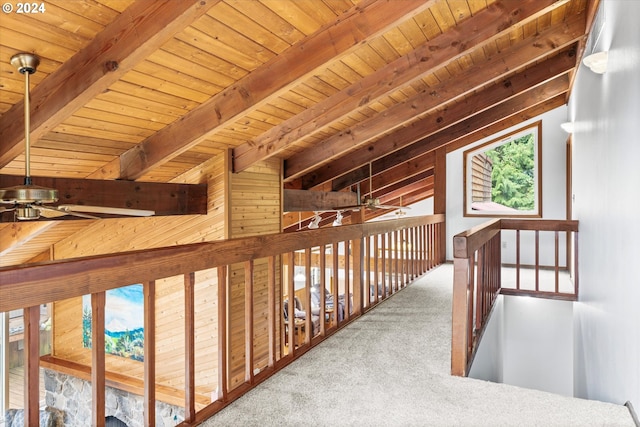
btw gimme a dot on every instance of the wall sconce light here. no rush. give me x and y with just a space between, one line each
338 220
597 62
568 127
315 222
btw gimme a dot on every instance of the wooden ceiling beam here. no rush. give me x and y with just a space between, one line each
454 138
391 165
433 123
132 36
364 21
309 200
405 112
165 199
489 23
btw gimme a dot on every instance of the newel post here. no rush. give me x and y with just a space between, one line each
460 308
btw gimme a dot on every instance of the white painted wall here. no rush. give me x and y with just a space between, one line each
553 190
522 348
488 362
538 349
606 177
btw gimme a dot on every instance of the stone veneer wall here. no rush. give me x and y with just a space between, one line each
73 396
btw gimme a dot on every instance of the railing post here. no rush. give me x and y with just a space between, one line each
149 291
98 301
31 317
189 348
459 317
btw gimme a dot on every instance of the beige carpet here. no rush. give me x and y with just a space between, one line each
391 368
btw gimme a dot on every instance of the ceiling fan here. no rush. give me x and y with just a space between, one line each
370 202
29 201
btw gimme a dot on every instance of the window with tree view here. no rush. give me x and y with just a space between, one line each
502 177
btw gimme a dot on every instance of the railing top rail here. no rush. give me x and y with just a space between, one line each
39 283
469 241
539 224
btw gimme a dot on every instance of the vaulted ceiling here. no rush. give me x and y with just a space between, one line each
346 92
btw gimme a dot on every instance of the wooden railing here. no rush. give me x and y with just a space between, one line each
478 275
384 255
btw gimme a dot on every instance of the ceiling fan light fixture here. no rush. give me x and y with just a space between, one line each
27 213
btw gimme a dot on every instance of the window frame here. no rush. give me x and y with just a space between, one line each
534 128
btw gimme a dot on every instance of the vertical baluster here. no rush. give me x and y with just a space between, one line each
367 270
149 295
336 281
470 305
359 292
248 321
291 304
31 319
323 284
271 313
480 286
383 251
557 262
223 333
97 358
575 264
189 348
537 232
308 327
347 281
376 268
517 259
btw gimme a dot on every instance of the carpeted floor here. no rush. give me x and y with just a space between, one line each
391 368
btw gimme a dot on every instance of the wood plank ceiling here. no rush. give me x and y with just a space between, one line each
151 90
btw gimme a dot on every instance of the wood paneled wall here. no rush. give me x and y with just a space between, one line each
255 208
239 205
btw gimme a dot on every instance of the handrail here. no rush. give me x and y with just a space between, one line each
390 252
478 277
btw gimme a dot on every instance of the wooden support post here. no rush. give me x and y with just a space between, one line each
149 291
98 301
31 317
440 198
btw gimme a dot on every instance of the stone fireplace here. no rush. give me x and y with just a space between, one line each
73 396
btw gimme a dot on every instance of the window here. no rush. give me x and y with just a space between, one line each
502 177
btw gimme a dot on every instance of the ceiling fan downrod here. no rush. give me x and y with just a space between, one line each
27 64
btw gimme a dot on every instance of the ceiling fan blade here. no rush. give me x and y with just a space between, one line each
392 207
106 210
7 209
346 208
56 212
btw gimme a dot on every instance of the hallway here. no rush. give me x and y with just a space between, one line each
391 368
